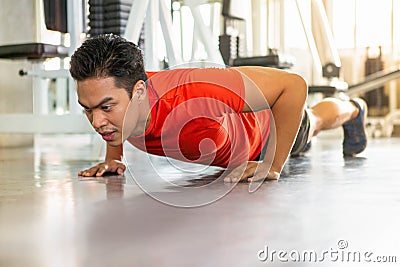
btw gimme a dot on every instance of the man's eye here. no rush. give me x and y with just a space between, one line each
106 108
88 110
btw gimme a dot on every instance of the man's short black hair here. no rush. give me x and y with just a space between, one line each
109 55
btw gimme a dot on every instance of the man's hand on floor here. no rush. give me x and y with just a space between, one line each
109 166
252 171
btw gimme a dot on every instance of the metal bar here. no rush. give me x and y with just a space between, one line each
194 42
260 26
44 124
151 60
282 22
205 34
322 33
61 95
75 28
49 74
40 92
310 41
373 81
135 20
174 57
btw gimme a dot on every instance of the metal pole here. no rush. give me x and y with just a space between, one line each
373 81
150 44
40 93
311 42
174 57
323 35
205 34
135 20
75 27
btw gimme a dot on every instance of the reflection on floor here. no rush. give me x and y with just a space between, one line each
325 209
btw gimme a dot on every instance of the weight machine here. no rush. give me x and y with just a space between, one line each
60 15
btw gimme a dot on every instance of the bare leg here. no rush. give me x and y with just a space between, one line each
330 113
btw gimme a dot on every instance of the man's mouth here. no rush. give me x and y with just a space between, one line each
108 136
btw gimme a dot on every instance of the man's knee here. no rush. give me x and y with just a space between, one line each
298 88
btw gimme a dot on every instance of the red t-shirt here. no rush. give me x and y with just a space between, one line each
196 116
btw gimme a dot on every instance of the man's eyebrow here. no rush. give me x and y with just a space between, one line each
102 102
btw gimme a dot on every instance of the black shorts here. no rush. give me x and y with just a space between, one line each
301 138
302 135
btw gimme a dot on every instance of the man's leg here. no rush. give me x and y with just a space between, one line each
331 113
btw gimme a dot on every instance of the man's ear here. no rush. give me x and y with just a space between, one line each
139 89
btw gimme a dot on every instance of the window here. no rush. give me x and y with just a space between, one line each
373 22
362 23
344 23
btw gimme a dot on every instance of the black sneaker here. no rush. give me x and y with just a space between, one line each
355 136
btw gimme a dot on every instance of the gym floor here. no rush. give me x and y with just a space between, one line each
332 206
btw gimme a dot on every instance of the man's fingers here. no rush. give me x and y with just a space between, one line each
84 173
241 173
251 171
121 169
91 172
233 176
258 176
117 168
94 171
273 175
102 169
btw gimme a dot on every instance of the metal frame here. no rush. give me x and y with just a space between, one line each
151 12
380 126
203 33
45 124
40 121
325 56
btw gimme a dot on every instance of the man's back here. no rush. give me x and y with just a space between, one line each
197 116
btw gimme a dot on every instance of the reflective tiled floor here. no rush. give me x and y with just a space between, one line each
323 205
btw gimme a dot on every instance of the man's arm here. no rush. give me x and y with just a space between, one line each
285 94
112 163
114 152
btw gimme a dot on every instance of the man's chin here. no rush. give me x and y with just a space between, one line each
114 142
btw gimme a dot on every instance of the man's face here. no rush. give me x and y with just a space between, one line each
105 106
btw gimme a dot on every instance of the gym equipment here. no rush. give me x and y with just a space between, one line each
377 101
108 16
60 16
381 125
33 51
230 46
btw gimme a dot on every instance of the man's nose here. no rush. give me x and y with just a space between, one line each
98 119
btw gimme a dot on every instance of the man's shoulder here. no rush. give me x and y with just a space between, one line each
187 78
